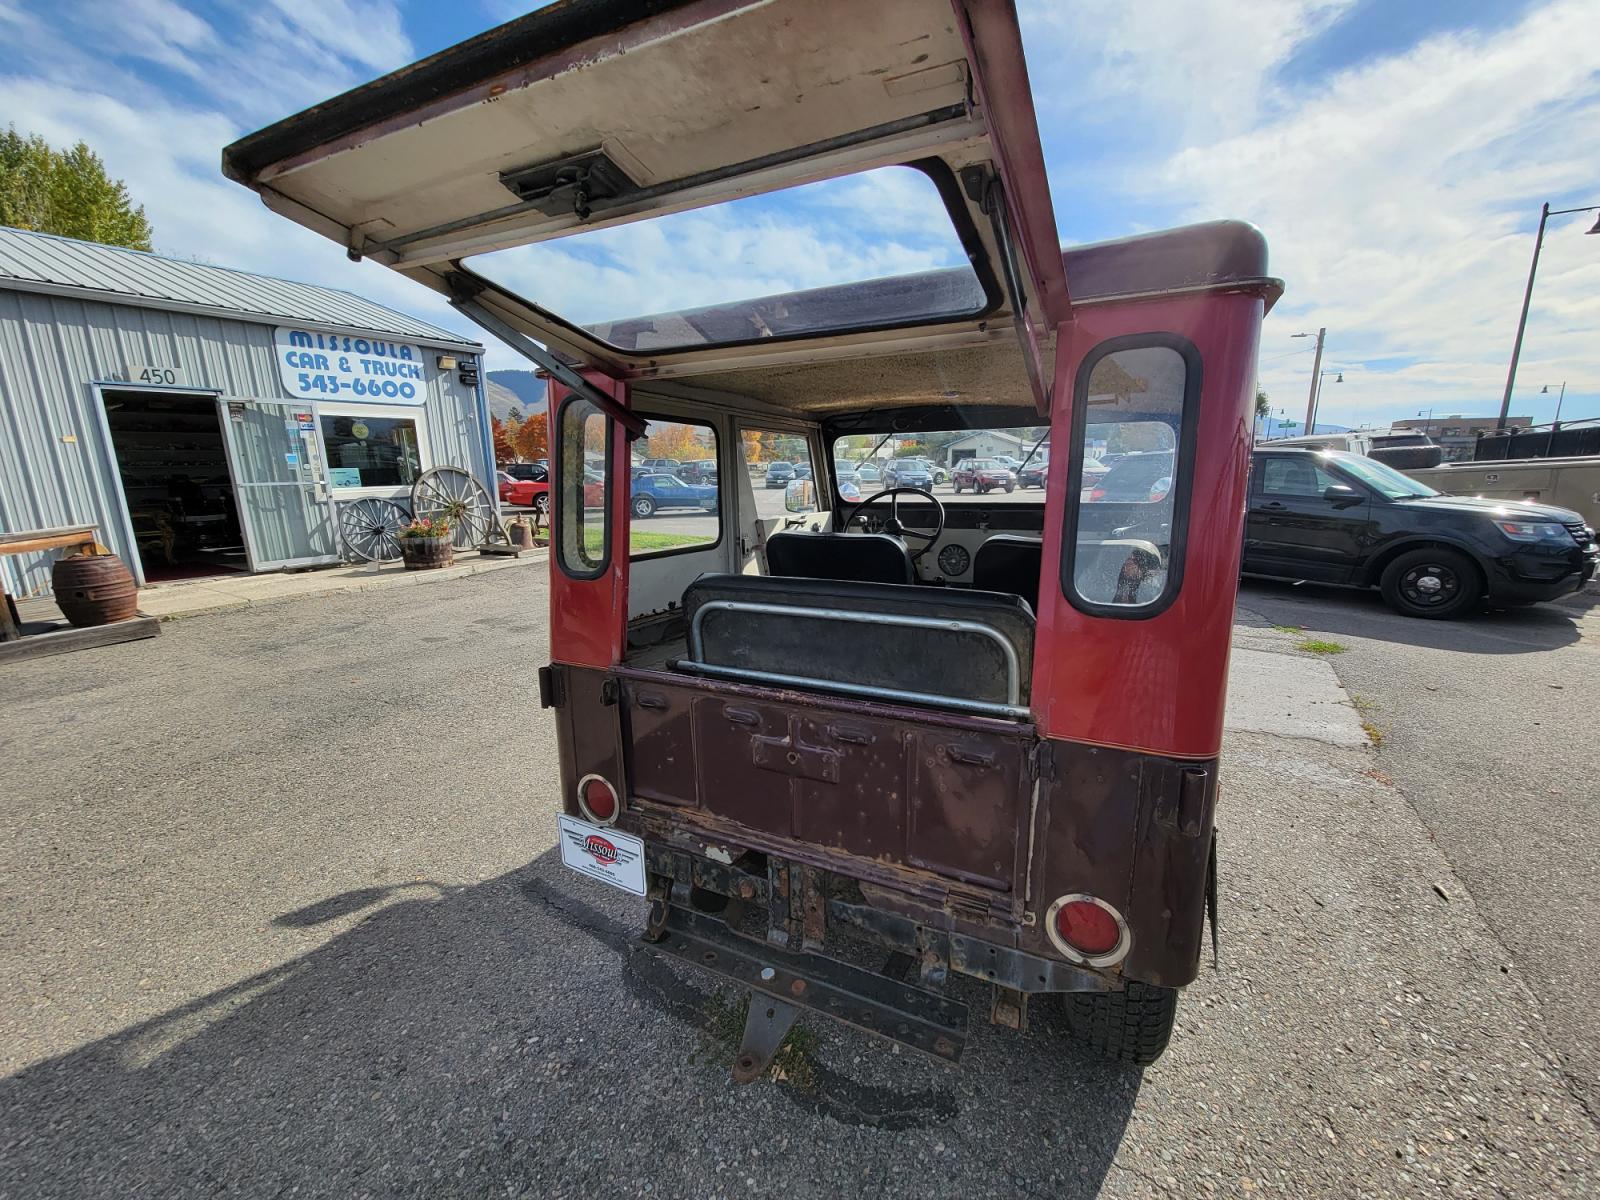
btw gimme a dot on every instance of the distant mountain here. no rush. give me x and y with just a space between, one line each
523 389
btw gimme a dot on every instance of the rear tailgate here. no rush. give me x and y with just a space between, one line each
882 794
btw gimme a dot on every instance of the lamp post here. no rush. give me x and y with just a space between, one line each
1562 395
1316 396
1316 376
1545 213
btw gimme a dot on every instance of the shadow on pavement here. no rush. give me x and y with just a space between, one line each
507 1037
1530 630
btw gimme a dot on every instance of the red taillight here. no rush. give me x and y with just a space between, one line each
597 799
1087 930
1097 493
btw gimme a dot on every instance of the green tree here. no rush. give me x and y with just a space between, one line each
66 192
1261 401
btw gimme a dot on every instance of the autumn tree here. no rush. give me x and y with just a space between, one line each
504 452
532 439
66 192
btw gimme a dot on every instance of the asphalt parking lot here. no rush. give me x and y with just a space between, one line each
286 920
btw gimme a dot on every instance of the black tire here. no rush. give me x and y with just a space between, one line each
541 504
643 506
1432 582
1010 487
1132 1026
958 489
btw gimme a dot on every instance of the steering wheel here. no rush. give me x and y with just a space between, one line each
893 526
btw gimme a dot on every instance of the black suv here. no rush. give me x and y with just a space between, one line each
539 471
1333 517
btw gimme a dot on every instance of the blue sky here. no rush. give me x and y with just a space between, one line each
1395 152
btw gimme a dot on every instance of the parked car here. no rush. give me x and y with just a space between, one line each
594 489
537 472
1139 478
1006 461
703 470
869 472
1341 518
660 466
654 493
1034 473
982 475
504 481
802 470
530 493
908 472
779 474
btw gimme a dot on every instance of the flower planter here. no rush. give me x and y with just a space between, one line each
426 553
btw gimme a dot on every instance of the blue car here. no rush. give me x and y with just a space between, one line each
652 493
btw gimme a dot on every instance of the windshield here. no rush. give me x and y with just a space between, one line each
947 458
1386 481
783 264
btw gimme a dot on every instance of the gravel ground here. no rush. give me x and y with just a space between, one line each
287 920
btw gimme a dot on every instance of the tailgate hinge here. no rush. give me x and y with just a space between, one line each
552 687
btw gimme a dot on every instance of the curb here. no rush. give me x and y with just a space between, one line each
538 555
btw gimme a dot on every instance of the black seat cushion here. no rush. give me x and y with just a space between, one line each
939 661
865 557
1008 563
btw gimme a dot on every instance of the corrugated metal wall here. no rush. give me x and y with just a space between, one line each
53 349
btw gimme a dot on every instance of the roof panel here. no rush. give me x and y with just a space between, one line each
27 258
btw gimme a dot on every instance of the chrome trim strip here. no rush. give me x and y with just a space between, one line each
982 708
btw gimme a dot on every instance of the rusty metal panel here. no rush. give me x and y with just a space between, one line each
967 804
660 745
863 810
732 782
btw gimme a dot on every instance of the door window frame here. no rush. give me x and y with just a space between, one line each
561 491
1182 468
721 511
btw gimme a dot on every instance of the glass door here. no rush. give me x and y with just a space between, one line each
279 482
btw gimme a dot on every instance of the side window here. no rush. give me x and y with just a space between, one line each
583 458
676 502
1135 405
777 461
1293 475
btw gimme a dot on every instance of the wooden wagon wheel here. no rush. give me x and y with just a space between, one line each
453 493
370 529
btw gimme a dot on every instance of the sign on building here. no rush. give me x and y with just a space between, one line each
344 366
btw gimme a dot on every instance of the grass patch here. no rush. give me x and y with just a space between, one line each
792 1063
1374 734
1289 629
640 540
1318 646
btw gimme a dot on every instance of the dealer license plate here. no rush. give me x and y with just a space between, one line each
603 854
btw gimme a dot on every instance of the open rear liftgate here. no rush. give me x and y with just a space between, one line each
902 1000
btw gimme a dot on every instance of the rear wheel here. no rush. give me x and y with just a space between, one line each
958 489
1431 582
1131 1026
541 504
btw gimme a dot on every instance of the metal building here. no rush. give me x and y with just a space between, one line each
209 420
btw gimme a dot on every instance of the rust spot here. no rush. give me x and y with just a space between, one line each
921 58
944 1047
797 987
747 890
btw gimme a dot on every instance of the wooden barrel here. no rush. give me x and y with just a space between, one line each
94 589
426 553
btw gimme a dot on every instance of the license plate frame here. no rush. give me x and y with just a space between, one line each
602 853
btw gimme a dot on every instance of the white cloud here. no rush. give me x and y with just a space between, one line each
1396 195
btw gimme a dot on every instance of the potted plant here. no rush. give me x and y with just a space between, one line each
426 544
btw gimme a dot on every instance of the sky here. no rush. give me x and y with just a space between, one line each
1394 152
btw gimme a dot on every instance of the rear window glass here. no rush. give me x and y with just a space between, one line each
1126 527
583 444
872 249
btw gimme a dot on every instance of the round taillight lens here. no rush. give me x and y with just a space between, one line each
1088 927
599 801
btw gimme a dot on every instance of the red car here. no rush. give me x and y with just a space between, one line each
529 493
505 483
983 475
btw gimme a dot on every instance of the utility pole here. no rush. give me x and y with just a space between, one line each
1316 379
1545 214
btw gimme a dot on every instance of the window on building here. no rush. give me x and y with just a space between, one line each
372 450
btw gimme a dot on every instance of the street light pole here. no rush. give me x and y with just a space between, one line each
1545 214
1316 381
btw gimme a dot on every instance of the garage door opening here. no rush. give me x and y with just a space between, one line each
181 502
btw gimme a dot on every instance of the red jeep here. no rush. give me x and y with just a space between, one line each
848 752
